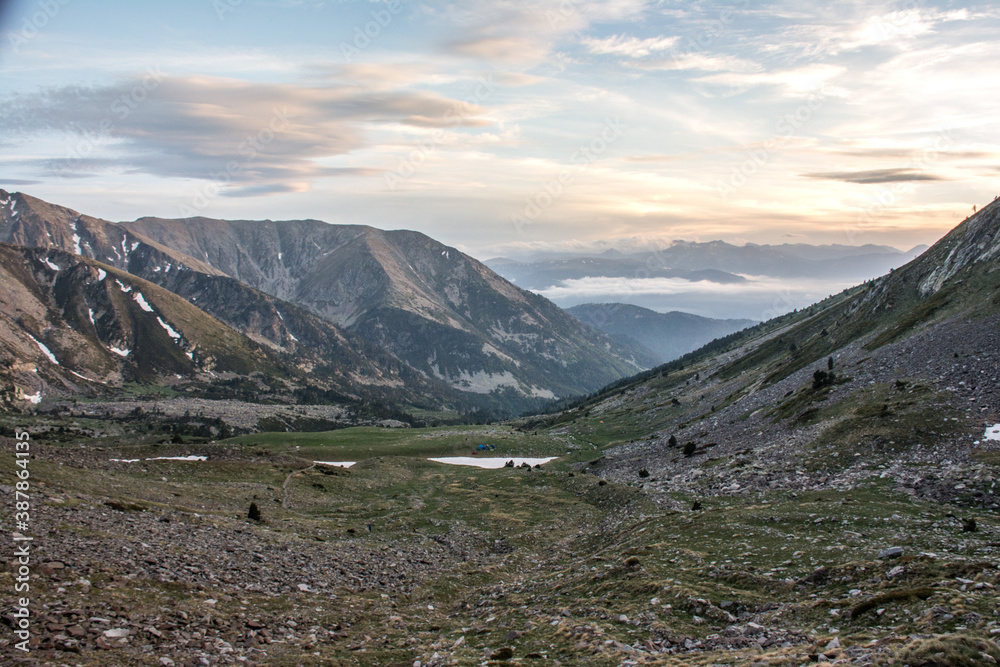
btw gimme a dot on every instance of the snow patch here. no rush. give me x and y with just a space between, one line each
169 329
121 352
491 462
34 399
90 314
125 288
135 245
76 242
141 300
192 457
538 392
101 274
46 351
992 432
340 464
54 267
480 382
84 377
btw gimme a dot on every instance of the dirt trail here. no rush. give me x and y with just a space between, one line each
284 487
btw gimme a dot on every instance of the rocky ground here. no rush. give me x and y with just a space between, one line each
399 562
852 522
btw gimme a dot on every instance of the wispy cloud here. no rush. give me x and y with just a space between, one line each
195 127
898 175
797 82
628 46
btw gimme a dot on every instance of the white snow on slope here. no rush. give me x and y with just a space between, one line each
169 329
76 240
46 351
139 299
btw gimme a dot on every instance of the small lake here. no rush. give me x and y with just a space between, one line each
491 461
165 458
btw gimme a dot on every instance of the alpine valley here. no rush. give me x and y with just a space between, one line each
820 488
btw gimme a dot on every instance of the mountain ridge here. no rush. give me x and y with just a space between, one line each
418 307
666 336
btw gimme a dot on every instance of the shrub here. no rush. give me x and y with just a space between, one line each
673 441
890 596
954 650
689 449
254 512
823 379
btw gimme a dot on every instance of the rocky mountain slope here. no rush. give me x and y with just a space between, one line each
665 336
73 326
879 380
394 313
441 311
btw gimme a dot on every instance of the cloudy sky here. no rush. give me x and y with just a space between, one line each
502 126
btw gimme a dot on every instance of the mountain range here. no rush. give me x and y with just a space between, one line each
664 336
713 261
392 316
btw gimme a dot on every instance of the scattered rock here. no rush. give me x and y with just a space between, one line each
891 552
